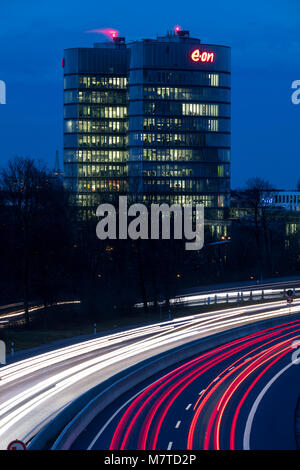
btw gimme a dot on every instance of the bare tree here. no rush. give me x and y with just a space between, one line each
252 199
32 201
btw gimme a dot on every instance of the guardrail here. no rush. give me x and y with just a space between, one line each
17 317
234 296
63 430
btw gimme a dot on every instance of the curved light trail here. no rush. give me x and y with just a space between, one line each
231 379
34 389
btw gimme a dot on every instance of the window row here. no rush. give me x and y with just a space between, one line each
202 155
148 154
89 170
211 205
188 124
184 94
99 112
94 81
184 185
109 126
188 78
95 198
107 112
101 140
207 201
95 156
168 139
291 229
286 199
173 108
173 171
101 185
215 171
197 109
95 97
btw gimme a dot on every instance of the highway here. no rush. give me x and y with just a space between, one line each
241 395
35 389
232 293
270 289
15 313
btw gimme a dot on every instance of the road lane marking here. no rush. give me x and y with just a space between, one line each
188 407
55 359
170 446
177 424
111 419
248 428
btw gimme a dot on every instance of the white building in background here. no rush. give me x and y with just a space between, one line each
289 200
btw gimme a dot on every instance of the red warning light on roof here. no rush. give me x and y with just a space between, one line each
111 33
177 28
202 56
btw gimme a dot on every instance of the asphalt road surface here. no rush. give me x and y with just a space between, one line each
241 395
35 389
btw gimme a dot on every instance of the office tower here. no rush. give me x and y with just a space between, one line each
150 119
95 123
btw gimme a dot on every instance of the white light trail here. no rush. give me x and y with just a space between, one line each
162 334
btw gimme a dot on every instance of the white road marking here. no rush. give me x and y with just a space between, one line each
177 424
70 376
247 432
188 407
170 446
112 417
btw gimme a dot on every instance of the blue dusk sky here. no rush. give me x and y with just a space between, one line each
265 40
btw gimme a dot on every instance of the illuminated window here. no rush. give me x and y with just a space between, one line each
197 109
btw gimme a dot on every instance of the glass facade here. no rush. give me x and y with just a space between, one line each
147 121
179 124
95 125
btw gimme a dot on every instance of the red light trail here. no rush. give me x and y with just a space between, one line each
240 363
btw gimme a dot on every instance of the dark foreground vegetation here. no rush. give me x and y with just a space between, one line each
47 255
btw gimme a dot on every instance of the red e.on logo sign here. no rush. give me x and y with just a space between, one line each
202 56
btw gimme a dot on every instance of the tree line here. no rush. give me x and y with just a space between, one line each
47 254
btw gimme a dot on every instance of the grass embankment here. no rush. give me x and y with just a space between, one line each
63 322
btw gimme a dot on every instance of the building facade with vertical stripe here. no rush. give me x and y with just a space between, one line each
150 119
